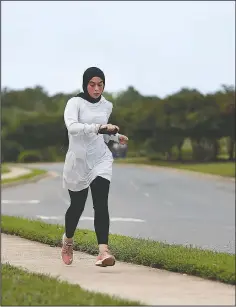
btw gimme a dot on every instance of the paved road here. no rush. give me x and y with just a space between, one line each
155 203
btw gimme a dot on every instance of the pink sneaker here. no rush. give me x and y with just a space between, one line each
67 251
105 259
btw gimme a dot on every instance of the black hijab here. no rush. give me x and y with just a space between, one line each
87 76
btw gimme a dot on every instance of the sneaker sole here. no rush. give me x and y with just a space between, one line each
109 261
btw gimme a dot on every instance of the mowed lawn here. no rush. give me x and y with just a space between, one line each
22 288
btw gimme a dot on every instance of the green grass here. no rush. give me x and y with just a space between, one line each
176 258
33 173
226 169
4 169
22 288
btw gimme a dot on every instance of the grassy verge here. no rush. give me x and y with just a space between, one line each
4 168
226 169
192 261
22 288
33 173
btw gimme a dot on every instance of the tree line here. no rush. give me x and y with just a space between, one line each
186 125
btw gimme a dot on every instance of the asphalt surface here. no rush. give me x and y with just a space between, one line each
145 202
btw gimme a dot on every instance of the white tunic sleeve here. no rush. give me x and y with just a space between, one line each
114 138
71 120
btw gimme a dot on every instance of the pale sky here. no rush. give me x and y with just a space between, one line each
157 47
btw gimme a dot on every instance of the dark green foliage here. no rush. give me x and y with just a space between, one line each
157 128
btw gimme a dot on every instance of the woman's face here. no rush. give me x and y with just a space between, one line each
95 87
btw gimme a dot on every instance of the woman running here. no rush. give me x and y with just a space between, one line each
88 162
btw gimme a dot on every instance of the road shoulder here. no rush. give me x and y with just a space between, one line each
21 175
176 170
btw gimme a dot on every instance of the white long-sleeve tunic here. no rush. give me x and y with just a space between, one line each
88 156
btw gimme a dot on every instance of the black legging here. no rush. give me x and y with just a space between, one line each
99 189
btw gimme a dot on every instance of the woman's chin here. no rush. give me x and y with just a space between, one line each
96 96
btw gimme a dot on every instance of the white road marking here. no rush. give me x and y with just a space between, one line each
42 217
89 218
229 227
86 218
124 219
132 183
146 194
113 219
33 201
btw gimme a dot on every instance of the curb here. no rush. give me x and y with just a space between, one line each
30 180
177 170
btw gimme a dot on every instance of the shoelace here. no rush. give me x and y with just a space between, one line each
105 253
67 247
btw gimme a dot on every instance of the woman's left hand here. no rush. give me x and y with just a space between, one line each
123 139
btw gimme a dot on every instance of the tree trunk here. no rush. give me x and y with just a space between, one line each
216 148
231 149
179 158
